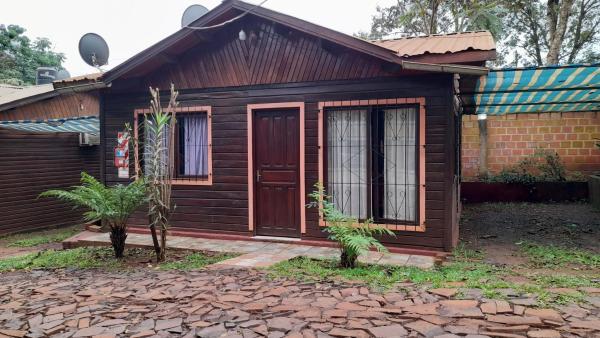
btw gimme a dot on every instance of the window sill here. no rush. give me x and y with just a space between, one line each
208 181
393 227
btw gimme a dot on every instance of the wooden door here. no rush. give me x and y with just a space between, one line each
276 172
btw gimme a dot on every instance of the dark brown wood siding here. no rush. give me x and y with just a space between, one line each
33 163
66 105
222 207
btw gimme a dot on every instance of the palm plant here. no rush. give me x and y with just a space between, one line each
112 205
354 238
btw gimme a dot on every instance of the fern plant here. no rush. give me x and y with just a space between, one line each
354 239
112 205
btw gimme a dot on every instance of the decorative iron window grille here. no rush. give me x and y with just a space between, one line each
191 147
372 162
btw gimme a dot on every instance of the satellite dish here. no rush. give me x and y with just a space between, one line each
93 50
192 13
62 74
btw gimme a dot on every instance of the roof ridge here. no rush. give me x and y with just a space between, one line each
442 35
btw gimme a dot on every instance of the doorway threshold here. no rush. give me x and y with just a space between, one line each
276 238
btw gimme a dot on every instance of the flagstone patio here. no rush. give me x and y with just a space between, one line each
240 302
254 253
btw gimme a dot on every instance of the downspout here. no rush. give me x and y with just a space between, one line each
444 68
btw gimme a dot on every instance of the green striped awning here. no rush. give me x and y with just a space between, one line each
535 90
84 124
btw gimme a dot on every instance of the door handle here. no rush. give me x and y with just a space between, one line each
258 175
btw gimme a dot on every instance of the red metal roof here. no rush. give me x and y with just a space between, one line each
439 43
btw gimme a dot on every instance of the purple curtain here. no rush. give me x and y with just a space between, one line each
195 147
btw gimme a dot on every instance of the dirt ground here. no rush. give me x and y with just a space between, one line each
495 229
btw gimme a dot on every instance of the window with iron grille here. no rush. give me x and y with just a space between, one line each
371 154
191 147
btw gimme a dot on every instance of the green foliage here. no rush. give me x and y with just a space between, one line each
542 166
75 258
20 57
354 239
34 239
552 256
196 260
112 204
418 17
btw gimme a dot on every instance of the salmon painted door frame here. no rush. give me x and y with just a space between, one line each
420 101
251 187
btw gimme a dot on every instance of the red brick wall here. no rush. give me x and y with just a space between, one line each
514 136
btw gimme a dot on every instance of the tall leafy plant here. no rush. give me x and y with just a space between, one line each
113 205
159 153
354 238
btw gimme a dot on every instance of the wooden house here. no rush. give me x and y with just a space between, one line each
271 104
41 148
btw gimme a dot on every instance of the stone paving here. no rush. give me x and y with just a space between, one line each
238 302
258 253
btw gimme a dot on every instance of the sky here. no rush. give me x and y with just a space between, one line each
130 26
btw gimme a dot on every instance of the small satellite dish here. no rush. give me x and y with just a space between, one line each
93 50
62 74
192 13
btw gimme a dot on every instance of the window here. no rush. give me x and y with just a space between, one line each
371 161
192 146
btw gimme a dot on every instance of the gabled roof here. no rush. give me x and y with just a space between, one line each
231 10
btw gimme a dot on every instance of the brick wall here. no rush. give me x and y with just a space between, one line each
515 136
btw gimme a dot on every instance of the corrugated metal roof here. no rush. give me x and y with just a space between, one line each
536 89
25 92
84 124
80 78
439 43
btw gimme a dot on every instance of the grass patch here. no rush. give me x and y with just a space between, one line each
196 260
31 239
103 257
383 276
74 258
549 256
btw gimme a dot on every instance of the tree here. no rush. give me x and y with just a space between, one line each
20 57
552 32
159 154
418 17
112 205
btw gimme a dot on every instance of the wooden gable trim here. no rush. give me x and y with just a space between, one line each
321 144
235 5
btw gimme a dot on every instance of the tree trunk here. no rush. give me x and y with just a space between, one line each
558 34
157 248
118 235
348 260
163 244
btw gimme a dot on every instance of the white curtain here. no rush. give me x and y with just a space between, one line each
400 166
347 161
194 140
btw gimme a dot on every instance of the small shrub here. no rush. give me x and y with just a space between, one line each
353 238
542 166
113 204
